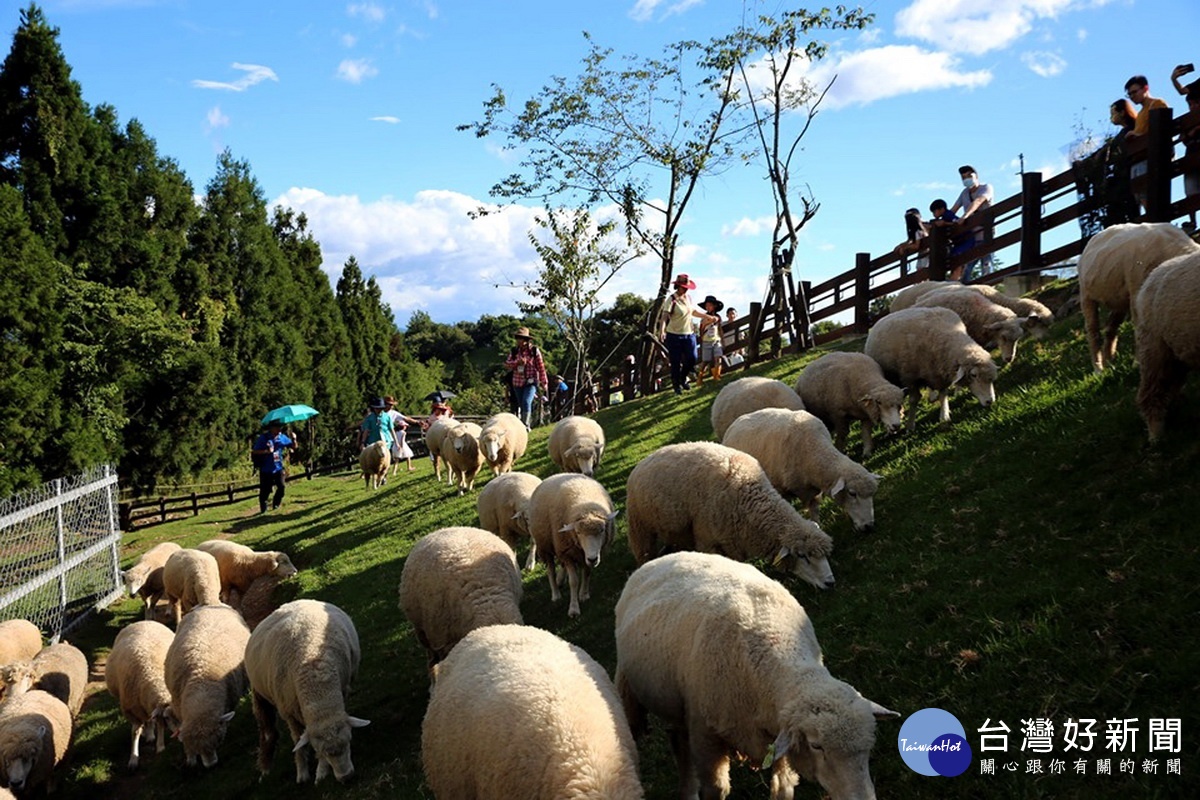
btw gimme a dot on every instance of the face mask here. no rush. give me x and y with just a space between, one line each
969 183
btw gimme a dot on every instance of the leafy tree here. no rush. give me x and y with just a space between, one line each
618 329
428 339
371 328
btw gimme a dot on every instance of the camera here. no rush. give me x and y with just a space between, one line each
1186 68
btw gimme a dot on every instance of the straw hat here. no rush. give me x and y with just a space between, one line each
523 333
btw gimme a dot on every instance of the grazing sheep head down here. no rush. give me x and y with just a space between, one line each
284 567
979 378
593 532
586 453
1005 335
199 740
804 551
133 582
886 407
1037 325
22 756
331 743
858 500
829 738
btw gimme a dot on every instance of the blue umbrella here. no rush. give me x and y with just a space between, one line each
290 414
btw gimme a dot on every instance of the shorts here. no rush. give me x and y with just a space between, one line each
710 351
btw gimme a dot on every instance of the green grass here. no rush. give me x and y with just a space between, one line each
1036 559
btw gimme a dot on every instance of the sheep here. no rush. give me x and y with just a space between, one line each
1112 268
840 387
750 394
60 669
35 730
504 509
239 566
1038 315
191 578
1168 336
796 451
135 674
374 460
930 347
786 703
20 640
572 521
708 497
259 600
909 295
206 677
503 440
516 712
300 662
989 324
460 451
576 444
433 440
456 580
144 579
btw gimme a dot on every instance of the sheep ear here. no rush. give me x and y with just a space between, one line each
613 515
41 731
837 487
227 716
568 527
995 326
301 742
882 713
958 375
876 476
783 553
355 722
516 515
1030 321
779 749
867 400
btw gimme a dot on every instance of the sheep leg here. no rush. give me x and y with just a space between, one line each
914 402
841 430
1115 318
303 774
573 580
160 734
265 715
176 612
944 416
532 558
1091 324
585 585
712 764
688 785
135 754
868 438
552 575
1161 379
783 780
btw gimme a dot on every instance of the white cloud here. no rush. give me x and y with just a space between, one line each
349 40
1081 34
356 70
891 71
368 11
431 9
216 119
749 227
388 119
969 26
1047 65
255 73
643 10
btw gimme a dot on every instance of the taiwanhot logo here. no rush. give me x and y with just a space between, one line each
933 742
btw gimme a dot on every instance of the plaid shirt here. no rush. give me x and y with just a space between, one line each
527 367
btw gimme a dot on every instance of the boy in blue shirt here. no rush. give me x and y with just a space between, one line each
961 243
268 456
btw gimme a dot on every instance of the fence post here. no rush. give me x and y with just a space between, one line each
110 499
59 529
229 488
1031 221
938 252
1159 152
162 507
752 345
195 506
862 292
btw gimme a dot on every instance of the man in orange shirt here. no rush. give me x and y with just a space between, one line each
1138 90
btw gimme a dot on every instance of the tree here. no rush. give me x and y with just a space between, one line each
618 328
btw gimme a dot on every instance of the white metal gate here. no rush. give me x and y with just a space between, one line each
59 551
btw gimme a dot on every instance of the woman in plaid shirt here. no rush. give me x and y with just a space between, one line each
528 373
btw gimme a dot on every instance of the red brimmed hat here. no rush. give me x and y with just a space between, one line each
682 279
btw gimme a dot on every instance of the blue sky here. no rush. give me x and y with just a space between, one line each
347 111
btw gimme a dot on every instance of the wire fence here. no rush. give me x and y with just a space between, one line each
59 551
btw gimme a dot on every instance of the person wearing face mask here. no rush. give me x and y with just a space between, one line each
975 197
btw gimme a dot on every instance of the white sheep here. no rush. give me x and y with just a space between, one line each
20 640
708 497
456 580
516 712
60 669
840 387
504 509
191 578
1168 336
433 441
576 444
503 440
374 461
909 295
758 687
206 677
750 394
460 451
989 324
300 662
1112 268
796 451
35 730
920 347
239 566
135 674
572 521
1038 315
144 579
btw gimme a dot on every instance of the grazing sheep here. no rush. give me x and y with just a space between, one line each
135 674
239 566
1168 336
796 451
35 730
750 394
191 578
145 578
374 460
572 521
708 497
909 295
300 662
504 509
460 451
920 347
840 387
206 677
762 643
503 440
1113 267
433 440
259 600
989 324
20 640
517 712
60 669
1038 315
577 444
456 580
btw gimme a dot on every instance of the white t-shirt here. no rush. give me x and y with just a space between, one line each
679 314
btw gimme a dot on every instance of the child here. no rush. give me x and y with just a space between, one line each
961 243
710 341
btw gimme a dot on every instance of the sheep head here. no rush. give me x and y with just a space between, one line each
979 376
1006 334
885 406
331 743
284 567
804 551
133 579
592 531
201 737
586 454
22 756
857 498
491 442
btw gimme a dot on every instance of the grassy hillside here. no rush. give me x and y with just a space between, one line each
1036 559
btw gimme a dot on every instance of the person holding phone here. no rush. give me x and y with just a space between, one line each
1179 72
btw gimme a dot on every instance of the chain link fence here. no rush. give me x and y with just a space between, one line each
59 551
